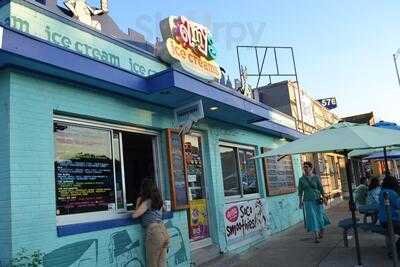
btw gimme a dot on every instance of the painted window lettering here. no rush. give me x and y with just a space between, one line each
244 218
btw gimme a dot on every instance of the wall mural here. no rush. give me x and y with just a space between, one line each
123 250
282 214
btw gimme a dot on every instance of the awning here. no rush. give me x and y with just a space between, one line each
170 88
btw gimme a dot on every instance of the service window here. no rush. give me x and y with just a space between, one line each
238 170
99 169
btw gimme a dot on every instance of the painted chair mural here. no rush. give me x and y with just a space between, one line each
123 252
77 253
177 253
120 249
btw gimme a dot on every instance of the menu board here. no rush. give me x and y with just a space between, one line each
84 185
194 166
177 171
279 175
83 169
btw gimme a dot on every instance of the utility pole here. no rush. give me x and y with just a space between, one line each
396 56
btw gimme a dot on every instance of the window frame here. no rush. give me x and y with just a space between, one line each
116 213
241 196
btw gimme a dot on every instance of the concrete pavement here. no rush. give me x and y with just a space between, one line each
294 247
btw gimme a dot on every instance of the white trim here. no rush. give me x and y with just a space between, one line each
104 125
228 144
121 157
238 198
1 37
114 173
158 171
200 243
89 217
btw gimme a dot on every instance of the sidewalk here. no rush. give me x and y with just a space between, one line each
294 247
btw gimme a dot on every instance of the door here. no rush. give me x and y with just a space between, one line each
197 213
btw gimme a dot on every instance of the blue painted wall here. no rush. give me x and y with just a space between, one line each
5 204
282 211
33 101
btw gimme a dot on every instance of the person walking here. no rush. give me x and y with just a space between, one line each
149 208
311 197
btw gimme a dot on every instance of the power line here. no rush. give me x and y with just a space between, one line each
396 56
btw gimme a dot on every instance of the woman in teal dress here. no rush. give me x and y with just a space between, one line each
311 197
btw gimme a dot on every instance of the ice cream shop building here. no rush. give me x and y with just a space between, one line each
87 112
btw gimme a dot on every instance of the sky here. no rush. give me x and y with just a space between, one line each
342 48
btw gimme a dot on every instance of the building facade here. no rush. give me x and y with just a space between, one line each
89 112
310 116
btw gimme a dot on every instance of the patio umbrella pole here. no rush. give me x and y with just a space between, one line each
386 162
353 208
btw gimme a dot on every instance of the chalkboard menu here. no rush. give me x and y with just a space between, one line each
84 185
83 169
177 171
279 175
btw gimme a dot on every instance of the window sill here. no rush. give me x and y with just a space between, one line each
234 199
80 228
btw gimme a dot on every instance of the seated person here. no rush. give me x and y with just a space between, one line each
361 193
374 190
391 187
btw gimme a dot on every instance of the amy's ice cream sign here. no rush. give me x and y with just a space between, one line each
191 45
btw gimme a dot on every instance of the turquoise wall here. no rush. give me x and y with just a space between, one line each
33 101
33 218
282 211
5 204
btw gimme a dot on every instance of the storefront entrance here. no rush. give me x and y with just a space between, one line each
197 213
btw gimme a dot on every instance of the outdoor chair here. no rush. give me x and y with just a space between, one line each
346 225
369 211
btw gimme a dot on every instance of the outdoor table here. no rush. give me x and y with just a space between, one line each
369 211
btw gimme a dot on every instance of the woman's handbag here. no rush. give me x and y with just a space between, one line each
320 200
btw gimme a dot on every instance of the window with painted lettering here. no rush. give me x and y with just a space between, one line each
238 170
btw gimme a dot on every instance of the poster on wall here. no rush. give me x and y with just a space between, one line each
198 220
279 175
244 218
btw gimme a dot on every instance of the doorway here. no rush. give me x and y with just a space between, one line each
198 218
